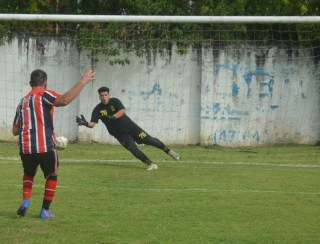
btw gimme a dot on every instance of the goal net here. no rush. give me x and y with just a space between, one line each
230 84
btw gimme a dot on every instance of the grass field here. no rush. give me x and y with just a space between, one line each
213 195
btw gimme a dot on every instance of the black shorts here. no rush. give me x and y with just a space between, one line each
138 135
48 162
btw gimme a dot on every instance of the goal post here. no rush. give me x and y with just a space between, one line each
160 19
225 80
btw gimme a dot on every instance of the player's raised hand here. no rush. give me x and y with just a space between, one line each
71 94
87 76
82 120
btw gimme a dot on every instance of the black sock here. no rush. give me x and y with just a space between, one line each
46 204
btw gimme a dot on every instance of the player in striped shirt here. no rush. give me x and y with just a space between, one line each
33 123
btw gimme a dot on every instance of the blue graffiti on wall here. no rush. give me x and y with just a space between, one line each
302 93
231 111
235 89
262 84
235 136
217 67
269 86
155 89
289 72
258 72
226 113
248 78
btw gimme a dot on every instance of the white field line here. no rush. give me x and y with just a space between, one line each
70 160
206 190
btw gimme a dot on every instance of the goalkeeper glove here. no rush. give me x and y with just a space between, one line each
82 120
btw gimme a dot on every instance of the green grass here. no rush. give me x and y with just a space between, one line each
213 195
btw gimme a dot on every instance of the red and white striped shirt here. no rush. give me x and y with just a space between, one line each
34 118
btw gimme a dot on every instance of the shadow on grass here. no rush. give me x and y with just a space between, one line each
241 150
14 216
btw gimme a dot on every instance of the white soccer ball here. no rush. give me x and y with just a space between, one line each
61 142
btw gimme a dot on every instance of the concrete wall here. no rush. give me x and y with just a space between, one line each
254 96
232 96
18 59
161 94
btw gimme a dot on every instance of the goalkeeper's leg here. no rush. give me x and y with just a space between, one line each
128 142
153 141
143 137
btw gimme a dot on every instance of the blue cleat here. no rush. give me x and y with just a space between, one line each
45 214
23 209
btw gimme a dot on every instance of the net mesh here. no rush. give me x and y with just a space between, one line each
227 84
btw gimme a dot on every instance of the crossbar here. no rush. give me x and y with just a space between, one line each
159 19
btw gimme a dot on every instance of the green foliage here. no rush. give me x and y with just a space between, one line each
4 33
146 38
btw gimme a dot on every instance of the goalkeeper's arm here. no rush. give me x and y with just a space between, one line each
91 124
82 121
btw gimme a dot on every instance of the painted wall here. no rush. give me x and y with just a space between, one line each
18 59
161 94
232 96
254 96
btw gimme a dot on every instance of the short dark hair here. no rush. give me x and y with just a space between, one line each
37 78
103 89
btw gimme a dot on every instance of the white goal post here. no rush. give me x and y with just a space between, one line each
160 19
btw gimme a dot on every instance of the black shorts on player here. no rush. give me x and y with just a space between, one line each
47 161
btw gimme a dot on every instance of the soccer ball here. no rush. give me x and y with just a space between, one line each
61 142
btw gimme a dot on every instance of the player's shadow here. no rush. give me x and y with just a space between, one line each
14 216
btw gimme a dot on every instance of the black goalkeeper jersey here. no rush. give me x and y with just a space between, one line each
114 126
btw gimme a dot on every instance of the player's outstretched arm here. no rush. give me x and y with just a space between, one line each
91 124
119 114
70 95
82 121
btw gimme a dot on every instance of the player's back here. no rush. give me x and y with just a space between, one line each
36 113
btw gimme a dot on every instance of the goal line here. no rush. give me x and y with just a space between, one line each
106 161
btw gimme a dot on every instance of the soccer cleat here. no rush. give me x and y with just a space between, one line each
23 209
174 155
45 214
152 166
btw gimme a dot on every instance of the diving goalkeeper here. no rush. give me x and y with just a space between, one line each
113 114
